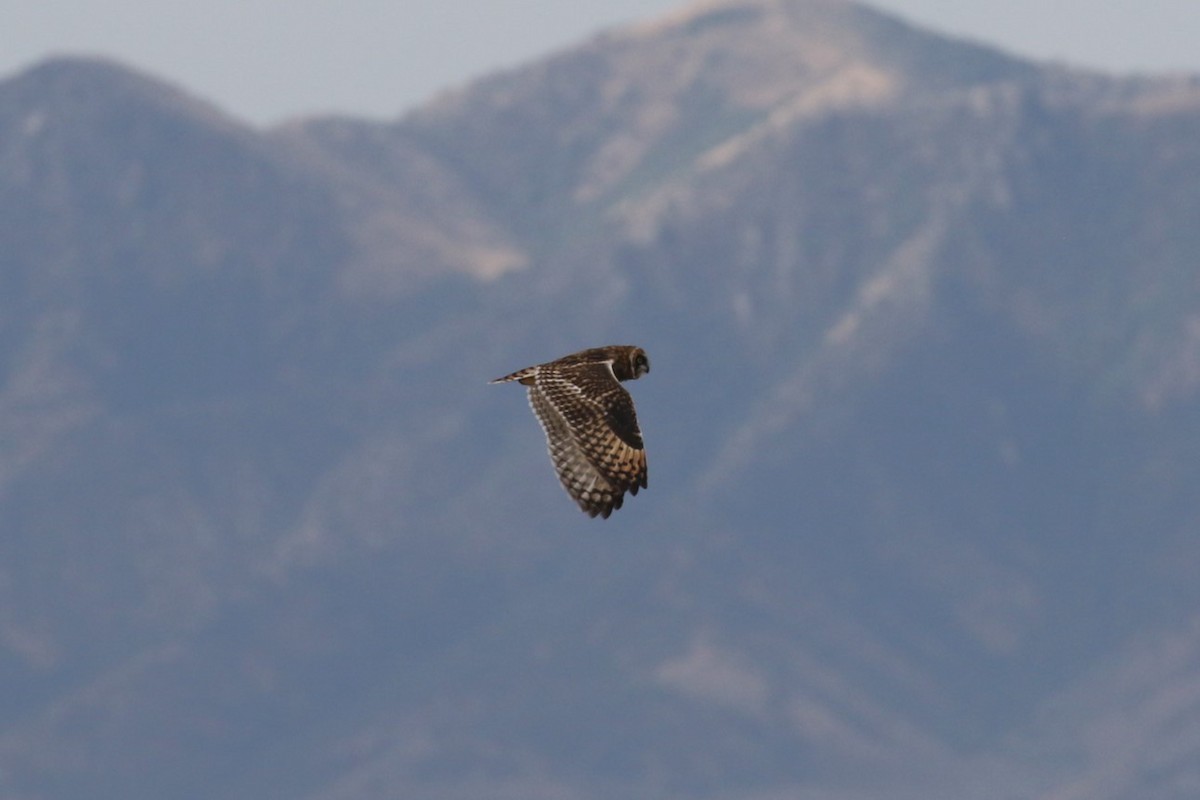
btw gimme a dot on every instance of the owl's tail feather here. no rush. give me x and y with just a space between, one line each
525 376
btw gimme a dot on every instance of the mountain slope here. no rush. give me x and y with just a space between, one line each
921 428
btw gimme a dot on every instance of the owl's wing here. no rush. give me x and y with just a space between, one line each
592 434
587 486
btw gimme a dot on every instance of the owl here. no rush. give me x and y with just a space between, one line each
591 429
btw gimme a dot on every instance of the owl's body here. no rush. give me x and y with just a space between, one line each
591 428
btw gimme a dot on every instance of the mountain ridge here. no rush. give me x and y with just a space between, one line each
921 422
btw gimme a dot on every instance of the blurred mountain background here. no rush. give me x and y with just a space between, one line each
923 427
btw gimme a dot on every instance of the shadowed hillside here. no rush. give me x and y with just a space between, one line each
922 429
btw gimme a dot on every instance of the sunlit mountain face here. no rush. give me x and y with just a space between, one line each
922 429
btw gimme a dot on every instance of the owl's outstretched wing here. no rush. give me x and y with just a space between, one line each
591 432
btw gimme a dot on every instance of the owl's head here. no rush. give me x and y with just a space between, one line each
639 363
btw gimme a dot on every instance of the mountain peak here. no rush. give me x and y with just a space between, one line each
759 53
649 100
85 85
722 13
794 36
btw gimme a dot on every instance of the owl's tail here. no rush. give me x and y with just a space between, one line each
525 376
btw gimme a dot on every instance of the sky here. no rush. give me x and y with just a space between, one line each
267 61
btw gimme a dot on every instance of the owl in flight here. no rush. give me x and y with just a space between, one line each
591 429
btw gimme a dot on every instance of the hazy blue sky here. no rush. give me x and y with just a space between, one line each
265 60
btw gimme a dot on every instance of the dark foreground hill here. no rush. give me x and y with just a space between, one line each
923 429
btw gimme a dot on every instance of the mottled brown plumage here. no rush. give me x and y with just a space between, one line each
591 428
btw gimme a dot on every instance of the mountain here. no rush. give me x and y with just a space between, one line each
922 426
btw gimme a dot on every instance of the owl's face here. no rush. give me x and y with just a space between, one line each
639 363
